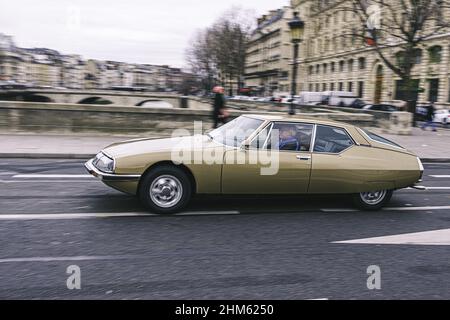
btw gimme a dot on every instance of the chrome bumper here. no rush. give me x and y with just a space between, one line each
108 176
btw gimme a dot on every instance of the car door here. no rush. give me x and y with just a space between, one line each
271 167
334 165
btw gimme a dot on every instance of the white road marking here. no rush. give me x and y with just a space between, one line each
429 238
53 259
440 176
48 181
339 210
57 176
389 209
208 213
429 189
73 216
417 208
69 216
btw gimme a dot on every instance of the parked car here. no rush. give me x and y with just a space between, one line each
320 157
358 104
442 116
381 107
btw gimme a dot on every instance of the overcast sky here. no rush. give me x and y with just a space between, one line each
142 31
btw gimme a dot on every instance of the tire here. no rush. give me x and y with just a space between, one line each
380 199
173 190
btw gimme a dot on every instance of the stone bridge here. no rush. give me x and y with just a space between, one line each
111 98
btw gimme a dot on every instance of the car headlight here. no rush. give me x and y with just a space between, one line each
104 163
422 169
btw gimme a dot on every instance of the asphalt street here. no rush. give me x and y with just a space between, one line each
53 215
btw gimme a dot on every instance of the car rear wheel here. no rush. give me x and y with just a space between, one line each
372 201
165 190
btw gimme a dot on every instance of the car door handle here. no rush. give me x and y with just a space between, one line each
303 158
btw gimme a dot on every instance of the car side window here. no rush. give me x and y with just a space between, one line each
260 141
287 136
331 140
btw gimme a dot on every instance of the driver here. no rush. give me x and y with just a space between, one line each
288 141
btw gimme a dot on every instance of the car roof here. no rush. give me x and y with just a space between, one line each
281 118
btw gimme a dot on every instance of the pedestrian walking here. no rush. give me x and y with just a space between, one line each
430 117
220 115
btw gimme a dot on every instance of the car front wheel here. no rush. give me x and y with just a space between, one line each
165 190
372 201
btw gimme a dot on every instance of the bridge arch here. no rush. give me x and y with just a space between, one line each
95 100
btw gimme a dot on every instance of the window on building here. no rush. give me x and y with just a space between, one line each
324 87
353 36
318 69
362 63
332 86
311 87
341 66
317 87
333 67
350 65
350 86
310 70
449 90
341 86
433 90
418 56
360 89
325 68
435 54
284 75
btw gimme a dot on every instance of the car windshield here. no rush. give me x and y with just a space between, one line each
377 138
236 132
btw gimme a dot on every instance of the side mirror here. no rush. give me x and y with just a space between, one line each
245 146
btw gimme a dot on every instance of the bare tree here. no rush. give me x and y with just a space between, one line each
403 24
201 59
221 48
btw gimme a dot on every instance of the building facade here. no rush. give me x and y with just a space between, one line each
269 54
42 67
331 60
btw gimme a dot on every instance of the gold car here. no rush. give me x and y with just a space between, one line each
256 154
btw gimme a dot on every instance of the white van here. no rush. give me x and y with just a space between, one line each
310 98
340 98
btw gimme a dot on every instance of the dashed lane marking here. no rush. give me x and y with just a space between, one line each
56 259
56 176
70 216
337 210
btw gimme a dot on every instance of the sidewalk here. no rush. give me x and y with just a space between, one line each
426 144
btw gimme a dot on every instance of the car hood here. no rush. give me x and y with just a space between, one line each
151 145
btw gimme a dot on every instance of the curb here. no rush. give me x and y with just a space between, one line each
86 156
436 160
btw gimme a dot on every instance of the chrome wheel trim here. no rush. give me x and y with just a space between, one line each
373 198
166 191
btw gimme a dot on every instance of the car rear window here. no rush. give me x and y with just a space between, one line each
377 138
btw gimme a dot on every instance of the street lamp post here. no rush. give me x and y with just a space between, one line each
297 28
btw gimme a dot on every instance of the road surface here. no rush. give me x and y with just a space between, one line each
52 216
